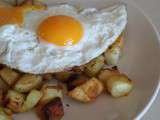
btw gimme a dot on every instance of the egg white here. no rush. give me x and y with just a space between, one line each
21 49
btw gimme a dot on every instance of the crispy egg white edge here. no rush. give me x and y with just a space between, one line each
12 56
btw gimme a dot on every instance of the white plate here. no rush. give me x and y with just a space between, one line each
140 61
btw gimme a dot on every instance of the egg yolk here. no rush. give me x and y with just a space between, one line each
60 30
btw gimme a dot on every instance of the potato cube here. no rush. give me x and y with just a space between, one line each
28 82
50 91
4 116
94 66
32 99
119 85
105 74
63 76
52 110
113 54
15 100
88 91
9 75
48 76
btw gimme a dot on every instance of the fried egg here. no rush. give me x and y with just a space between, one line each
57 38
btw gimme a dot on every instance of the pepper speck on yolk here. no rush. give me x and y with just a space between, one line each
60 30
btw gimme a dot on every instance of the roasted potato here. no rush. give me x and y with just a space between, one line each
88 91
1 96
63 76
32 99
28 82
8 111
33 5
49 92
113 54
4 116
75 80
3 85
53 110
94 66
15 100
9 76
119 85
105 74
48 76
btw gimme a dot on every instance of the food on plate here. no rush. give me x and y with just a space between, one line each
48 76
88 91
1 96
50 91
113 54
15 100
32 100
119 85
75 80
27 82
53 110
40 43
106 73
59 37
94 66
63 76
4 115
9 76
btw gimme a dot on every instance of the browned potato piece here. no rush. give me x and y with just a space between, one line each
1 97
63 76
75 80
50 92
33 5
9 75
4 115
88 91
105 74
119 85
3 85
94 66
15 100
53 110
28 82
8 111
113 54
48 76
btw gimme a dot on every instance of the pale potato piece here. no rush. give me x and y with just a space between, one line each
9 76
105 74
28 82
88 91
16 100
50 91
3 115
32 100
94 66
119 85
113 54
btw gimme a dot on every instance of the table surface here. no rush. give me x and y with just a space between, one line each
152 9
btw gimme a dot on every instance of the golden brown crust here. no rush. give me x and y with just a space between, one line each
88 91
